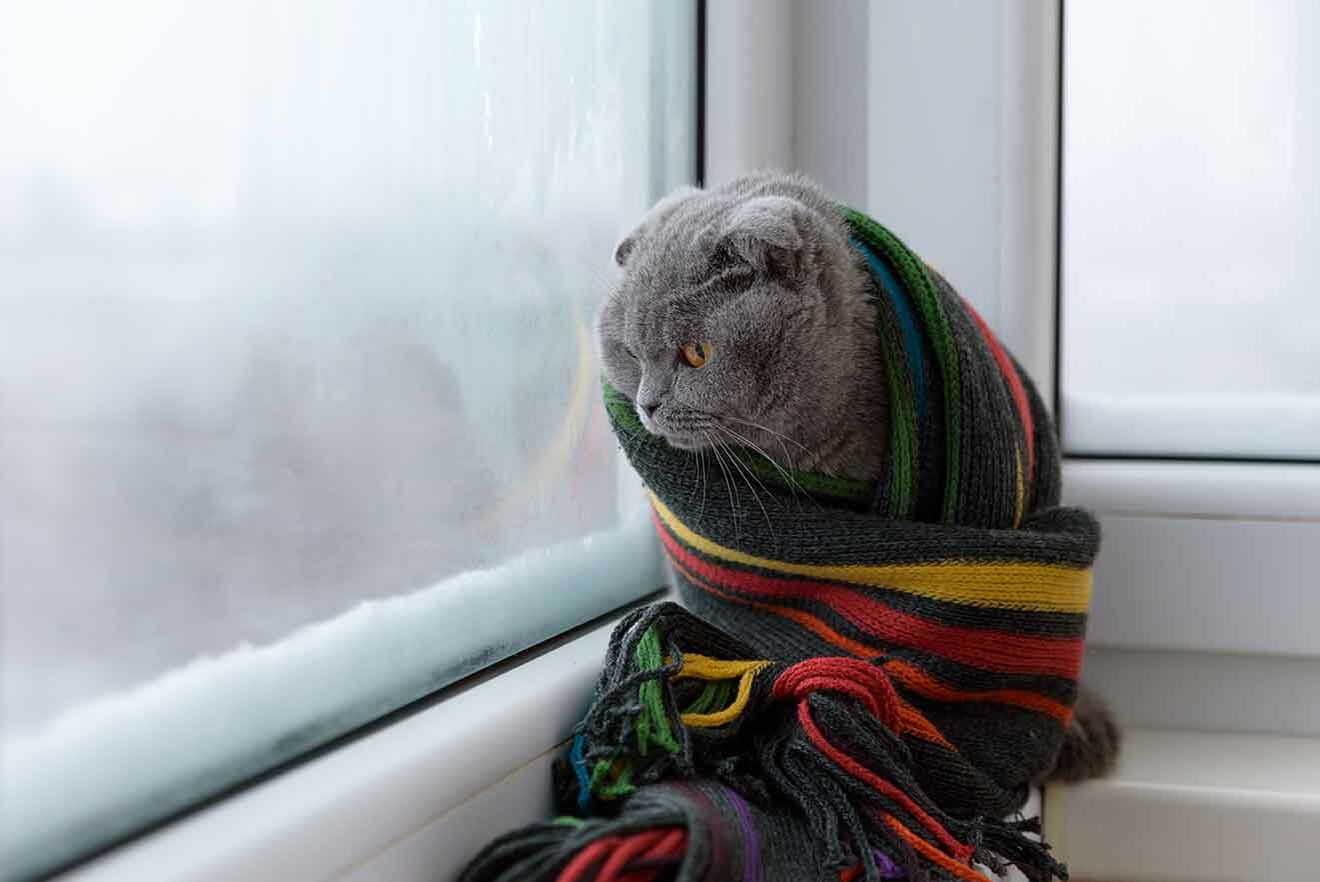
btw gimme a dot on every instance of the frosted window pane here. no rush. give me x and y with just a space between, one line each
298 395
1191 216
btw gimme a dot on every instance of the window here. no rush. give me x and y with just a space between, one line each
297 378
1188 332
1191 324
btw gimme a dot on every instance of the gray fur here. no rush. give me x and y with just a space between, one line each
761 269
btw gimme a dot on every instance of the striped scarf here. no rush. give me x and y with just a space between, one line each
864 682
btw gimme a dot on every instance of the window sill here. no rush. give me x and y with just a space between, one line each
411 802
1190 547
357 811
1188 806
1205 593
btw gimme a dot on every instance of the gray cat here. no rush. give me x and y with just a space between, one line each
763 267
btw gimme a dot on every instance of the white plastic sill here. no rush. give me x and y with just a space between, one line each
1194 807
1273 492
1203 557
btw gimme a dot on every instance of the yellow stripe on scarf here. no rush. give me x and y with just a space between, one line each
1041 587
701 667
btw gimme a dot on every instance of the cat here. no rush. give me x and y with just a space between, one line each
756 283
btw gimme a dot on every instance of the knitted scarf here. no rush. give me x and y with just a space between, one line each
867 677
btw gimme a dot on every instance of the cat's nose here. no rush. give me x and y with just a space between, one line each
651 407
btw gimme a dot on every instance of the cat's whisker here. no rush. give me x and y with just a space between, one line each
699 455
746 468
780 438
628 444
728 484
629 439
744 471
793 486
769 431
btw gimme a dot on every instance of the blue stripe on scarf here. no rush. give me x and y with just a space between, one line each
906 319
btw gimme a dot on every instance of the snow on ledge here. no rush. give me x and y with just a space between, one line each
107 768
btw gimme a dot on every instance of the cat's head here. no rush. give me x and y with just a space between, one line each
733 312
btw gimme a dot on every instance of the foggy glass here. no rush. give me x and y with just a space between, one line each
1191 211
296 305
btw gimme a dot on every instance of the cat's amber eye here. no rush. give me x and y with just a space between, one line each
695 354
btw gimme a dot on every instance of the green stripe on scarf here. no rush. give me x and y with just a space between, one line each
912 273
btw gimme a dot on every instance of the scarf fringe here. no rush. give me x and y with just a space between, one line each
679 700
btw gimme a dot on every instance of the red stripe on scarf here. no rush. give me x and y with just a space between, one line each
990 650
914 679
1015 386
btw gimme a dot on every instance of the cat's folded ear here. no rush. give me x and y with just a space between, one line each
626 246
654 218
769 233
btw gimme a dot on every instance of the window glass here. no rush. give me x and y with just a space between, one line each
299 407
1191 210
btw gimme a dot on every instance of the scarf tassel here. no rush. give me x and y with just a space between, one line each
827 738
